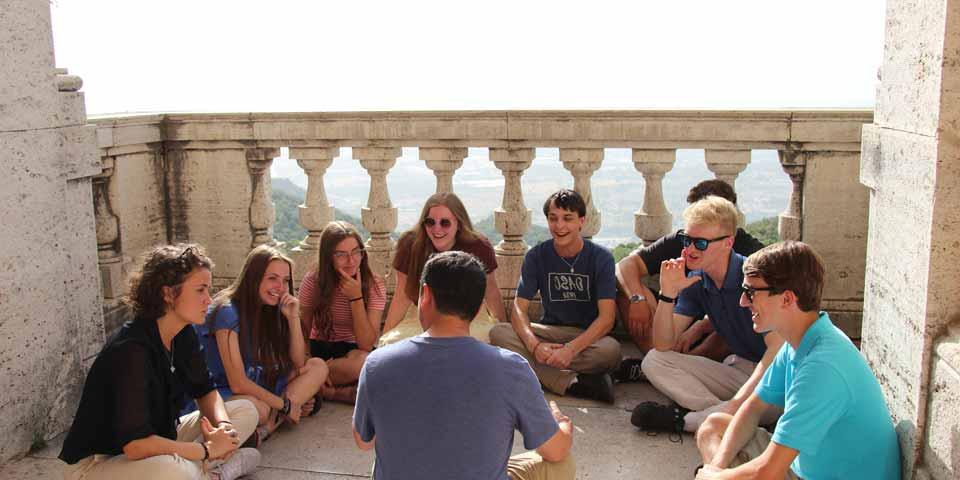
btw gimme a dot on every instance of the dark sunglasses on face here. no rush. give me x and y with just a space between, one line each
751 291
698 243
444 222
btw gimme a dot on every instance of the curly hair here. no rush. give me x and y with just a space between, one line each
162 266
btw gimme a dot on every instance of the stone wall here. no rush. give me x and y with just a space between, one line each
911 163
50 320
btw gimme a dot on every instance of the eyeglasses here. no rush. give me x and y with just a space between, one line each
356 253
430 222
751 291
699 243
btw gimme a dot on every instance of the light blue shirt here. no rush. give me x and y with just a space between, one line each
834 411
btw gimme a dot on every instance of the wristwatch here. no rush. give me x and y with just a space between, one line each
636 298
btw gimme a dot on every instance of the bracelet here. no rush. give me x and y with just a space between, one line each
221 422
206 452
355 299
534 351
286 407
664 298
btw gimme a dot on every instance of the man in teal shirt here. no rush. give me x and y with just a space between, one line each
835 424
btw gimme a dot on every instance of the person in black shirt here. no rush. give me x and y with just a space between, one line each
636 304
127 424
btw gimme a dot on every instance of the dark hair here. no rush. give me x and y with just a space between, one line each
328 278
566 199
789 265
457 281
162 266
264 331
714 187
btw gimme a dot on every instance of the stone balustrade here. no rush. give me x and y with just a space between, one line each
205 177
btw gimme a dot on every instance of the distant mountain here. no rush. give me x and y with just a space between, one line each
535 234
287 197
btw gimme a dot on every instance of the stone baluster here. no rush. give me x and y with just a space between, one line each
512 219
443 162
582 162
316 210
653 220
108 233
262 214
790 221
726 165
379 216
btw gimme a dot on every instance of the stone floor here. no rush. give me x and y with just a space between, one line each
605 447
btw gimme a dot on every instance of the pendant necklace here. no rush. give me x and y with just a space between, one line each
170 358
571 265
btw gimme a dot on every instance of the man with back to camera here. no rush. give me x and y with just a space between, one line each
835 422
568 348
700 385
637 304
445 405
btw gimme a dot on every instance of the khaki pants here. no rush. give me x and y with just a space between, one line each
410 327
531 466
601 357
753 449
699 383
242 414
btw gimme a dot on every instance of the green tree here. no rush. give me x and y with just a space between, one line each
764 230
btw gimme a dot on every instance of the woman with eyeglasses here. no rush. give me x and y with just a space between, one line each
254 342
341 304
128 423
444 225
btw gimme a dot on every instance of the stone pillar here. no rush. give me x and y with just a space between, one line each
316 210
262 214
726 165
443 162
582 162
789 224
108 233
911 164
653 220
512 219
379 216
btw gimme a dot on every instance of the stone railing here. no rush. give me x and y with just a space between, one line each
205 177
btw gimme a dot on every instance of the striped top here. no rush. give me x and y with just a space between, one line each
340 309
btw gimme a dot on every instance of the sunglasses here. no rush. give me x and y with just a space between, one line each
698 243
444 222
751 291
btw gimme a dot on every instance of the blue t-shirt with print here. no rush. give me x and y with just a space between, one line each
568 298
834 411
455 417
731 321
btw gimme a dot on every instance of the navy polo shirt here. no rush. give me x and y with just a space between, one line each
731 321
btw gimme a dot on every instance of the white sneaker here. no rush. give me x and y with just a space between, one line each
243 462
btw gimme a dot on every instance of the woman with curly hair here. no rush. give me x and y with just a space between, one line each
444 225
254 342
341 304
128 423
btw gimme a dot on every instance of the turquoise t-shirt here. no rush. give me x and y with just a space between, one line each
834 412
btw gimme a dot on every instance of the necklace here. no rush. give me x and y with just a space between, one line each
574 260
170 358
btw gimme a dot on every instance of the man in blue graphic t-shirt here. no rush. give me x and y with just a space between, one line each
445 405
835 422
568 348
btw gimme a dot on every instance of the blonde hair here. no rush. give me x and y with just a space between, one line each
713 210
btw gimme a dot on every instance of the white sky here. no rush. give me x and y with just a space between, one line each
206 55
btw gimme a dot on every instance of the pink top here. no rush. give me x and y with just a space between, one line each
340 309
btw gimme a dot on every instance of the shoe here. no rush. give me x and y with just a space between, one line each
653 417
243 462
630 371
596 386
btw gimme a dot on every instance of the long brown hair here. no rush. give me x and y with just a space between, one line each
264 330
421 247
328 278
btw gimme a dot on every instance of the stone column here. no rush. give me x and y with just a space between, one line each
726 165
316 210
108 233
911 164
789 224
443 162
379 216
582 162
512 219
653 220
262 214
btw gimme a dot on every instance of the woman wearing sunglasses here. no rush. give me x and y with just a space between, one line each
443 226
254 342
341 304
